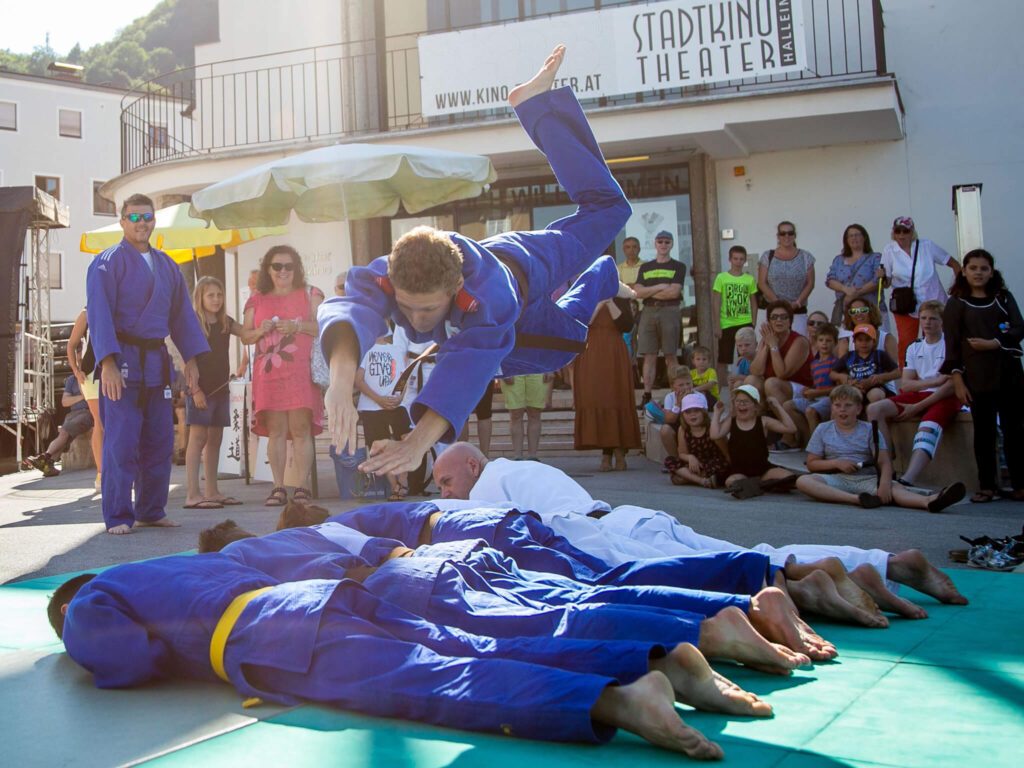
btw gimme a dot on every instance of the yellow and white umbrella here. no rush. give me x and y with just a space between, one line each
182 236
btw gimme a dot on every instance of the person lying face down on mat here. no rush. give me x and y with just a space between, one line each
207 617
534 547
470 586
826 579
486 304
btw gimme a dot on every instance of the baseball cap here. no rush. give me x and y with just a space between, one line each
903 222
664 235
865 328
694 400
750 390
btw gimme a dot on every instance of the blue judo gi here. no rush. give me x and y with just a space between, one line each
479 337
332 641
131 309
533 545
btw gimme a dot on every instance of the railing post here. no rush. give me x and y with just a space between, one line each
879 26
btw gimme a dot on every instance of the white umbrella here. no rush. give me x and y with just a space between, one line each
344 182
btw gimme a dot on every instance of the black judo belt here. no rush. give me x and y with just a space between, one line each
535 340
145 346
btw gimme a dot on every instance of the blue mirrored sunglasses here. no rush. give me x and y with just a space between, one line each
135 218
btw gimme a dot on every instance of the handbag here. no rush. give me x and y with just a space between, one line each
318 368
903 301
762 300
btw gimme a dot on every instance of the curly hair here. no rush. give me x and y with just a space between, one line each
874 316
216 538
780 304
265 284
425 260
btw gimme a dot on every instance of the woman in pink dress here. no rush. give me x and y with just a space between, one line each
280 319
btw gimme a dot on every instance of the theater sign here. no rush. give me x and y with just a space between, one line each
617 51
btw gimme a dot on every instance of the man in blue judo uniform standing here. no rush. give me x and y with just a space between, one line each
486 304
136 298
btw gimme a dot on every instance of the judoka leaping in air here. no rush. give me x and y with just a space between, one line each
486 304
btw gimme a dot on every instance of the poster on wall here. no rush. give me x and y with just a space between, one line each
232 459
649 218
615 51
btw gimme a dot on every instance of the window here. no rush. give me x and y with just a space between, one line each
49 184
70 123
56 270
100 205
8 116
156 136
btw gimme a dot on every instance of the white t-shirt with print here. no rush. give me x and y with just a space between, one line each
381 366
925 359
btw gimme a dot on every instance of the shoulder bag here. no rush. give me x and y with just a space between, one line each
903 301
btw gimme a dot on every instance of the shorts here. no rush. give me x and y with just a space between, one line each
388 424
660 329
727 344
854 484
483 408
91 388
77 422
529 391
216 414
942 412
821 405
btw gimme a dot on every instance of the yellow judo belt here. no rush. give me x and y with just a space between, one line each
223 630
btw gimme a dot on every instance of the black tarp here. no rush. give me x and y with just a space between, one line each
17 207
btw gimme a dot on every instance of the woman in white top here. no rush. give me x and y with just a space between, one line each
898 266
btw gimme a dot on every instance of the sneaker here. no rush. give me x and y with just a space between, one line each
780 447
34 462
49 470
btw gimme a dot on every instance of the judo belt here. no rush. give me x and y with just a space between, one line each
219 639
429 355
145 346
535 340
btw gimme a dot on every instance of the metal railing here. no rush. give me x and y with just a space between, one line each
309 94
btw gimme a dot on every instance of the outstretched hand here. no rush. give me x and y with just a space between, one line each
342 416
392 457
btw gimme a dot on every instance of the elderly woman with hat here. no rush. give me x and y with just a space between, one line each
908 265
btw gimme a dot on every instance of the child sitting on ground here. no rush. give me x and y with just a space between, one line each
746 430
812 406
849 462
682 385
705 378
746 348
866 367
701 461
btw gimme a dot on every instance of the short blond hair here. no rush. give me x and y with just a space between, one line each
931 306
682 372
846 392
746 333
425 260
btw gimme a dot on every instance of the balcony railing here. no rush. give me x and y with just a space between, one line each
308 95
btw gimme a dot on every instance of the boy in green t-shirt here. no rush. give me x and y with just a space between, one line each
734 306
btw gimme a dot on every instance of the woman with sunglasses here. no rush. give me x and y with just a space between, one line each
280 319
909 262
983 329
815 320
854 273
859 312
786 273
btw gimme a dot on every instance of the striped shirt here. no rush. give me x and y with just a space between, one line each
820 370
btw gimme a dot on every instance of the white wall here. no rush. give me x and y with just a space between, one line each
36 148
957 66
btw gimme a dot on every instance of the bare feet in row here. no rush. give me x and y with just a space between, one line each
729 635
912 568
845 586
646 708
871 582
541 82
817 593
697 684
774 616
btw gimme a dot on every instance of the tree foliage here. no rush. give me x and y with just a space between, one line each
155 44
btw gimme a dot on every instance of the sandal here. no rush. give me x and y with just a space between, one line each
983 497
398 493
277 498
302 495
948 496
747 488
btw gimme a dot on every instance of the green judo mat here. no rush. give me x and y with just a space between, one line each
948 690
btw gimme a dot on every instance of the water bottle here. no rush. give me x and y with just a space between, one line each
124 373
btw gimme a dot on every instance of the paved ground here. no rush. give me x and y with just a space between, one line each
54 525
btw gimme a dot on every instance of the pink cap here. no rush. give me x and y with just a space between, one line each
694 400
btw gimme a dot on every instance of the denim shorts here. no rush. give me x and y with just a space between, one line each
216 414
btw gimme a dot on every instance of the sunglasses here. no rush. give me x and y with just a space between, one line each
815 323
778 317
662 240
900 231
135 218
279 266
787 233
859 310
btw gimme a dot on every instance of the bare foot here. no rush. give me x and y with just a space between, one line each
698 685
871 582
730 635
541 82
773 615
646 708
848 589
119 530
163 522
912 568
625 292
817 593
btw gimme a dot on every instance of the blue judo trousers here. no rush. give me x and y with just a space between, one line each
534 546
492 309
127 302
334 642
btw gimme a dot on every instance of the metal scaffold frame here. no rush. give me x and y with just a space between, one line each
34 395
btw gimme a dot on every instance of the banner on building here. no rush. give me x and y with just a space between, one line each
622 50
232 454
